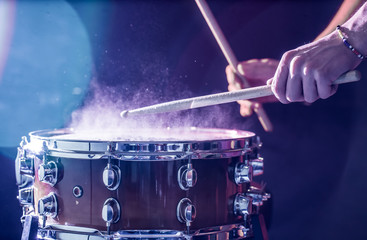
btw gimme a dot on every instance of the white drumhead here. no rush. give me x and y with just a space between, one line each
143 144
165 135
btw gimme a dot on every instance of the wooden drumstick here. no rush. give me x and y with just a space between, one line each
220 98
231 58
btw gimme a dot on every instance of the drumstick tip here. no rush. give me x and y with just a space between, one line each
124 114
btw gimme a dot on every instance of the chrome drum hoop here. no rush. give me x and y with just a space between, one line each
234 144
227 232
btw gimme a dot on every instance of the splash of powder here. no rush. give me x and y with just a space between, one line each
101 114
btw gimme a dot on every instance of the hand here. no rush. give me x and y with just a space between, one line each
307 73
256 72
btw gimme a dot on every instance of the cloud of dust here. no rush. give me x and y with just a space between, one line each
101 113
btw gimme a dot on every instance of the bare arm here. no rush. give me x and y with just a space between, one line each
346 10
297 72
306 73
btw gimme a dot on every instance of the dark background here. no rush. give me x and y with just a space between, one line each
315 162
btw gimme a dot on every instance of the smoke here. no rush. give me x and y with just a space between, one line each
101 112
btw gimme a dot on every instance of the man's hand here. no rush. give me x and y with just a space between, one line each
306 73
256 72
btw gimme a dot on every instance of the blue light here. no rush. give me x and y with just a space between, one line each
47 72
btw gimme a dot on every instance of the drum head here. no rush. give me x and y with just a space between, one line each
149 142
143 135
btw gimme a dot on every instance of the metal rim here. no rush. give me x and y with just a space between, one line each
231 145
225 232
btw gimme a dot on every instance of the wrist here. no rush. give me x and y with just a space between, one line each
355 30
349 37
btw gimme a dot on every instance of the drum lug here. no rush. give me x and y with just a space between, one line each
258 142
186 211
23 142
47 206
242 205
242 173
257 166
187 177
258 197
111 147
25 196
111 211
48 173
24 168
44 148
111 176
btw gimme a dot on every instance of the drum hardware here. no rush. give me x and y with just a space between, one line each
26 196
187 176
257 166
24 166
45 233
242 232
247 145
225 232
23 142
26 210
161 160
111 212
24 169
78 191
44 148
242 205
141 150
49 233
47 206
258 196
111 147
30 228
48 173
44 219
256 142
186 212
111 176
242 173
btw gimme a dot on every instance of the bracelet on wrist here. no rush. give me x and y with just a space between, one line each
348 45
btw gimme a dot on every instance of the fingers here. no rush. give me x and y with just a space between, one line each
246 108
233 81
230 74
279 83
257 71
297 79
324 85
233 85
309 87
294 91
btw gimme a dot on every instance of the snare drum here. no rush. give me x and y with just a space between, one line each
184 183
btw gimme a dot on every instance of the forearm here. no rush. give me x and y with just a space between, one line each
345 11
355 30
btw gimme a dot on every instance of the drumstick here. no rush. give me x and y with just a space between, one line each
231 58
219 37
220 98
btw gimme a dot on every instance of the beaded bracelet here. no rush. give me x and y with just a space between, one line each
346 43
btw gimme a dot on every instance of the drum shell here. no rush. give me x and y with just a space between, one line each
148 193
